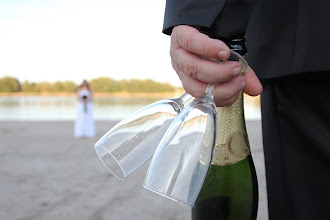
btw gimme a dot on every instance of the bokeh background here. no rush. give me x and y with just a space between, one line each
47 48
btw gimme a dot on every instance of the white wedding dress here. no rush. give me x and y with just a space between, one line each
84 124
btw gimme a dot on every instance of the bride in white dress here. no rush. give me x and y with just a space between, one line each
84 124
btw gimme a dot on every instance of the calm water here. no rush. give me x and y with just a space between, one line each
64 107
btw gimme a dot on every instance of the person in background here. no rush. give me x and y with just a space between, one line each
84 124
288 49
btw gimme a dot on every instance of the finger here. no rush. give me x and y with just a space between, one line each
253 84
230 88
226 92
192 86
228 102
198 43
203 69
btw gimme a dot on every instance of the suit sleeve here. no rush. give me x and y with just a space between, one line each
223 19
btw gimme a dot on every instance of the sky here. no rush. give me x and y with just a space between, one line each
57 40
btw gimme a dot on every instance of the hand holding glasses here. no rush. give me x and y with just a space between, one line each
182 160
184 154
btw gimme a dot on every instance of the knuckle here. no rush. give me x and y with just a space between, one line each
187 43
223 73
191 70
204 49
218 77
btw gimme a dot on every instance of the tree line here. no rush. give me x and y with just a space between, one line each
10 84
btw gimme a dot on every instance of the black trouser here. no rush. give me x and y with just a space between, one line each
296 138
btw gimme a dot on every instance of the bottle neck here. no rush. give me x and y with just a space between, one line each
232 144
237 45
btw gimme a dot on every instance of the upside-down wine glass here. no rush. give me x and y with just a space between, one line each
130 143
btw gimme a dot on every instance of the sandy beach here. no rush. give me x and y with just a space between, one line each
46 173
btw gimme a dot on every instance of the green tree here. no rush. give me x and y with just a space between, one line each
104 84
69 86
101 84
27 87
44 87
123 85
148 85
9 84
57 86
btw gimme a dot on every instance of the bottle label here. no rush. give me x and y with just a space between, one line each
232 143
232 151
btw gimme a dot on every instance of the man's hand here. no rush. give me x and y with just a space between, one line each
188 46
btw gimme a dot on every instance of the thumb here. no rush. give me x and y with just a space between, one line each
253 84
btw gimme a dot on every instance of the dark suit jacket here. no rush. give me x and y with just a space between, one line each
284 37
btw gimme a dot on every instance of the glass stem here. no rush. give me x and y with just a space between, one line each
185 97
210 90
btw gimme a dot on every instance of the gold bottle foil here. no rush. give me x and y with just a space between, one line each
232 143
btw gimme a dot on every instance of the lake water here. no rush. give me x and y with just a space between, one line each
64 108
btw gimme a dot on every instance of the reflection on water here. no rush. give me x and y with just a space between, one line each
64 107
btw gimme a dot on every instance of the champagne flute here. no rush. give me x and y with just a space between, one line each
182 160
130 143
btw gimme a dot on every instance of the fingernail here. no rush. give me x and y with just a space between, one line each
243 84
237 71
222 54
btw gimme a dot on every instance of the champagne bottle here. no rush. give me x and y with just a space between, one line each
230 191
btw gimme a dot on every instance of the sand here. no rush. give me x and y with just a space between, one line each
45 173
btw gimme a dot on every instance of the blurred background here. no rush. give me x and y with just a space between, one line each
47 49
